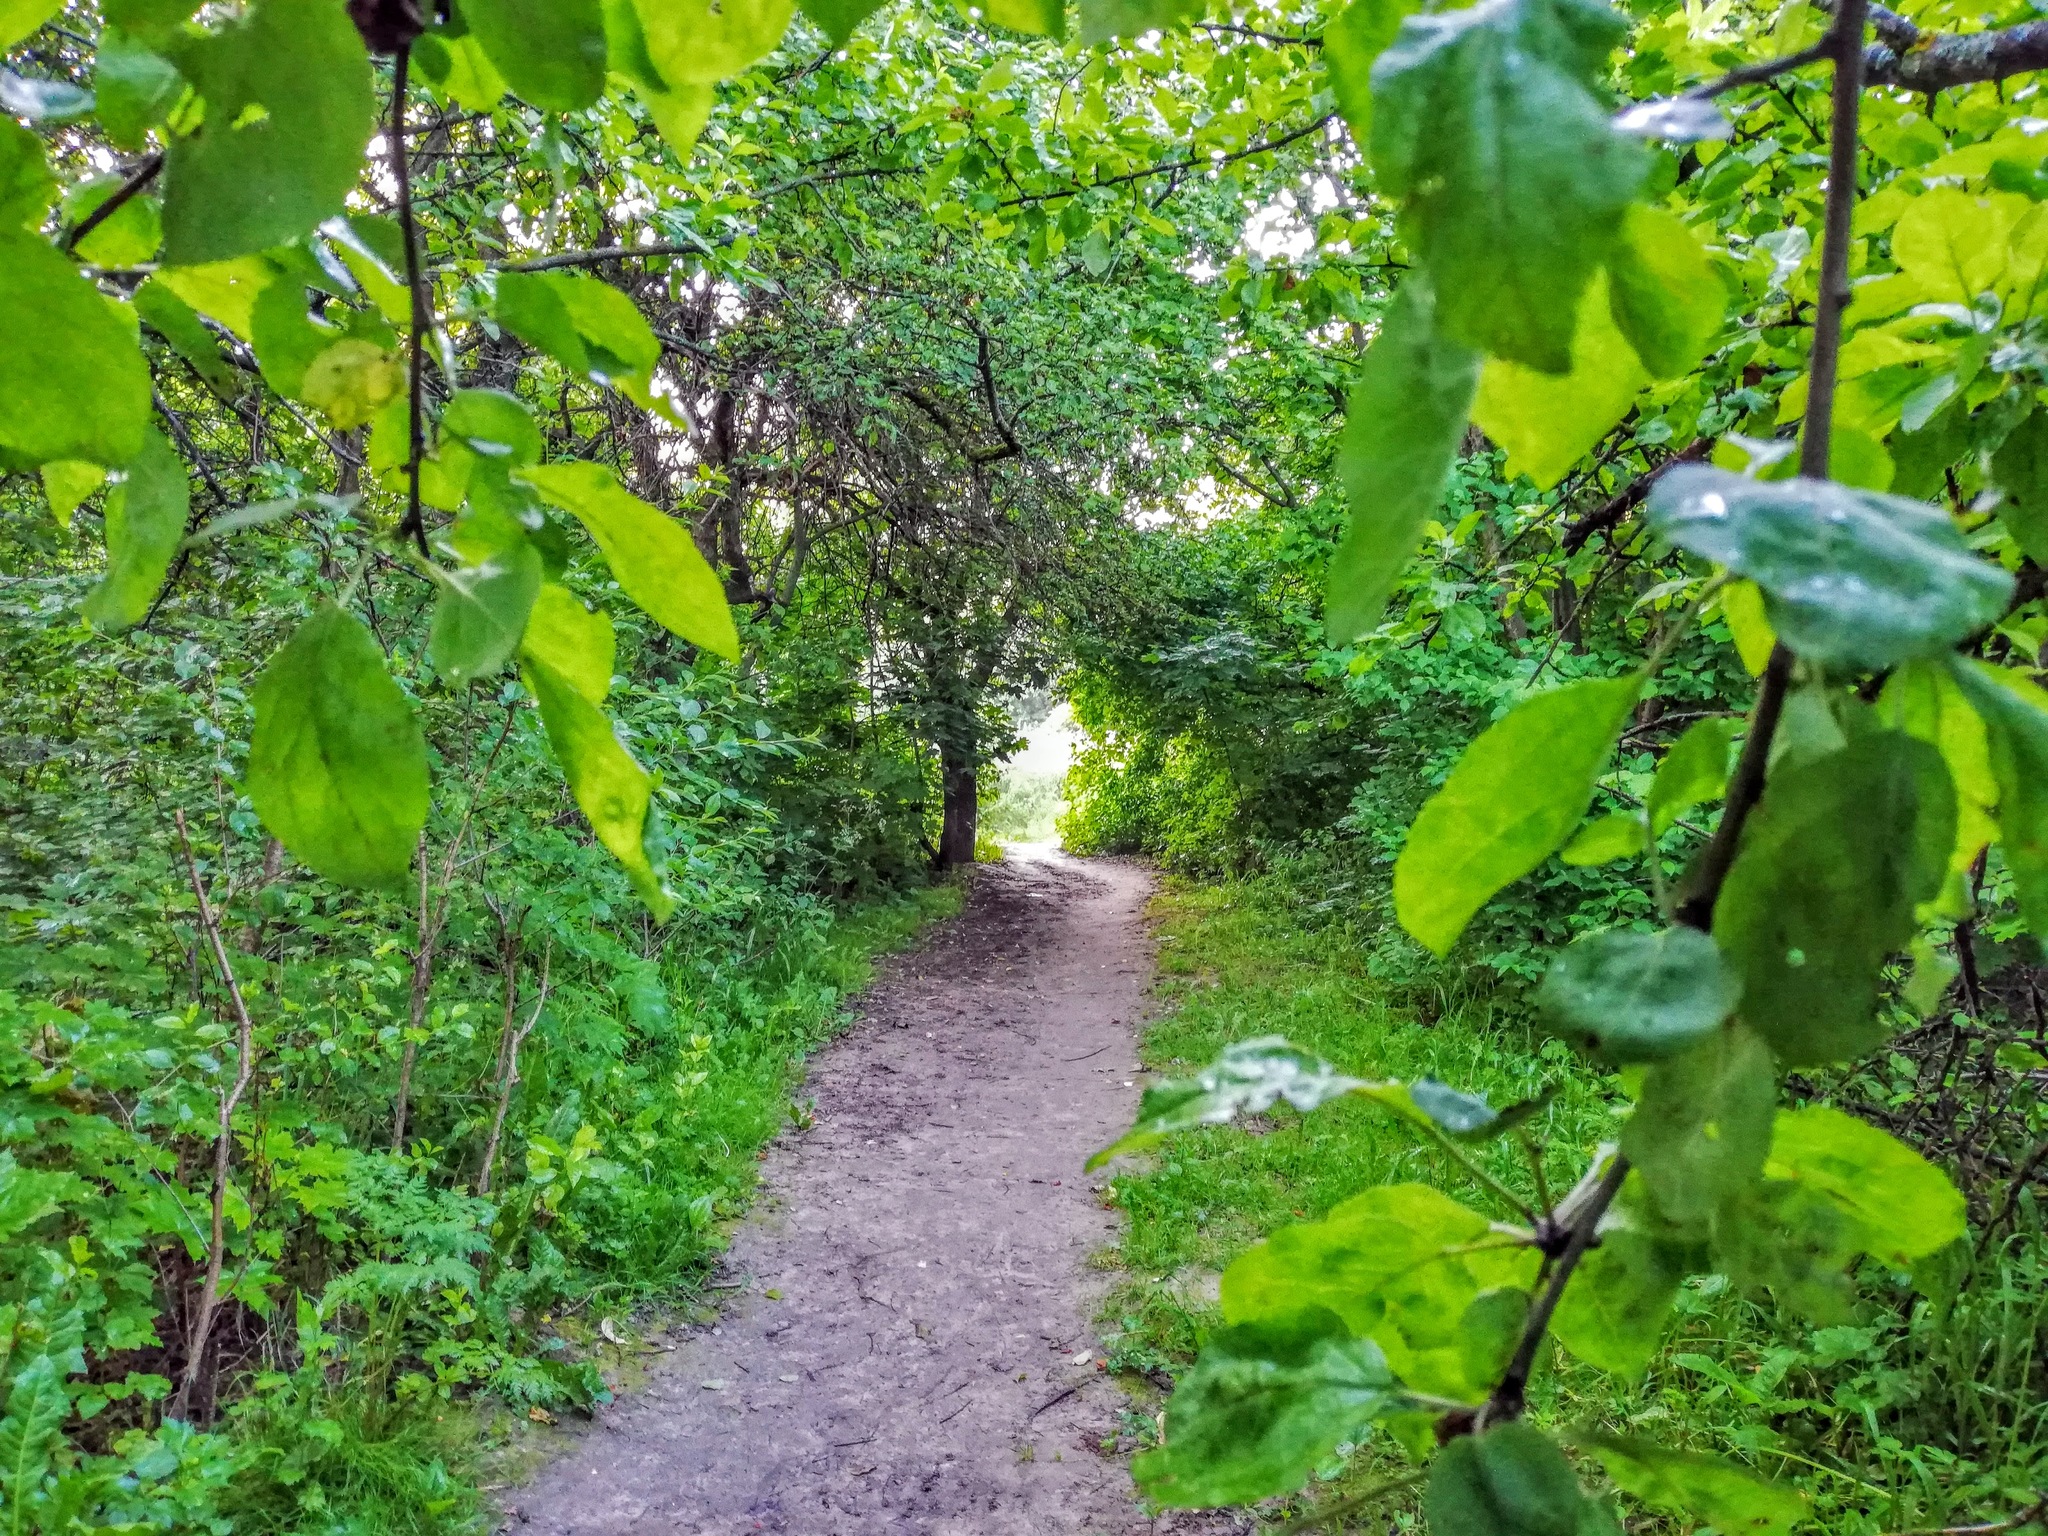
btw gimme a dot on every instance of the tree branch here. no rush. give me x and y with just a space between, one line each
1603 518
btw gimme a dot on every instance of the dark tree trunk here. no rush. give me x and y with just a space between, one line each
962 806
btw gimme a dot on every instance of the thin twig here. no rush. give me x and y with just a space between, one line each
139 178
509 1077
223 1146
414 527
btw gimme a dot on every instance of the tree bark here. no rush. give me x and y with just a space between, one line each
958 775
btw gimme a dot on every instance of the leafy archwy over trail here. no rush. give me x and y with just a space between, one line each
912 1352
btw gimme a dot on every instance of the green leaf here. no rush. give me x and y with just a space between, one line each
66 484
246 180
458 68
1360 33
128 237
1486 121
337 763
179 324
838 18
1632 997
135 86
1823 889
587 326
1925 700
1663 290
1792 1240
1397 1263
1850 578
614 792
1550 421
1513 799
482 610
1742 608
701 42
1265 1402
224 291
37 1406
351 381
1401 432
652 556
1702 1124
1247 1079
1614 1311
574 643
146 513
1510 1481
2020 466
20 18
1607 838
495 426
1039 18
75 385
2015 715
1104 21
1693 772
1711 1491
26 185
27 1195
1902 1206
551 52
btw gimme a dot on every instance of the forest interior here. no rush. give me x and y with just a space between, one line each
541 538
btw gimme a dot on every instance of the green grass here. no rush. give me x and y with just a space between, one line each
1921 1411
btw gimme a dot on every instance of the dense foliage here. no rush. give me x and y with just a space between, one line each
511 510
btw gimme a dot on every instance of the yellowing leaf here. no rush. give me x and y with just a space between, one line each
1549 421
574 643
653 557
351 381
67 482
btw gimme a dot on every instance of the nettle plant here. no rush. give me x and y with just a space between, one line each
1881 758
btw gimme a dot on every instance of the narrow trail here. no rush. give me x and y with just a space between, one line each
923 1370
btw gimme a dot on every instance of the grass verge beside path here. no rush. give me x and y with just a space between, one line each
1921 1411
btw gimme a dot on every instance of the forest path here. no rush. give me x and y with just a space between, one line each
923 1370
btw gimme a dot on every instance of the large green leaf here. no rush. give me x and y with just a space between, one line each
1824 886
1357 36
1663 290
19 18
128 237
614 792
1693 772
572 642
1926 701
75 385
1903 1207
1510 1481
1614 1311
838 18
1248 1078
2015 715
1702 1125
652 556
2021 468
1851 578
1104 21
1511 802
701 42
179 324
1398 1264
1039 18
1486 121
1792 1240
587 326
26 186
146 514
288 117
337 763
1705 1488
483 606
1549 421
1633 997
1265 1402
551 52
134 87
1401 432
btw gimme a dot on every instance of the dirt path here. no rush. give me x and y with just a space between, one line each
929 1366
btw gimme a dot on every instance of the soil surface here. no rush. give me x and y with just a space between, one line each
927 1364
